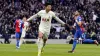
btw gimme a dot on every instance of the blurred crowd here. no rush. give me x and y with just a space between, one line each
90 12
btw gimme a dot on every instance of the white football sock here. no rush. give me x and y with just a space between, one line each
21 41
40 45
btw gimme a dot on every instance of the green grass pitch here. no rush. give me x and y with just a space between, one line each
50 50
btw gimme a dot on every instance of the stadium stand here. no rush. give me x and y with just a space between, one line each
90 12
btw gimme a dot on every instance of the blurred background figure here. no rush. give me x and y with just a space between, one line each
6 38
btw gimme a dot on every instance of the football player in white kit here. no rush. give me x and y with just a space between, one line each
24 30
45 25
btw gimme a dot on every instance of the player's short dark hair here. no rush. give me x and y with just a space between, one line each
47 3
25 16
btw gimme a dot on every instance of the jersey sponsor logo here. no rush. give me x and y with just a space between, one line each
46 20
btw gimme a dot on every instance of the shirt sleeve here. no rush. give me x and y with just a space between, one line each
56 18
34 16
79 19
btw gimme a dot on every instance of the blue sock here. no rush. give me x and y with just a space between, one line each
88 40
17 43
74 44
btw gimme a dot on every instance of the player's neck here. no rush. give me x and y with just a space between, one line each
47 11
24 21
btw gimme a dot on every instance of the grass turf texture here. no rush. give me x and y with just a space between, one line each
50 50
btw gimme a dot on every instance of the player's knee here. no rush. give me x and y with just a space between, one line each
40 35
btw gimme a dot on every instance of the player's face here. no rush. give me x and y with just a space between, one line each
24 18
76 13
48 8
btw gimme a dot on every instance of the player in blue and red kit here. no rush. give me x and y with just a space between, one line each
79 32
19 24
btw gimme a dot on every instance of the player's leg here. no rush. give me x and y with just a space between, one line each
96 42
40 43
74 43
45 37
76 36
17 39
91 41
22 38
21 41
44 42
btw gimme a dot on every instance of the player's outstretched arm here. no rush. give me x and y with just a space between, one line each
60 21
56 18
32 17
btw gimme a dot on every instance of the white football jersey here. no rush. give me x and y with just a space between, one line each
24 29
46 18
25 26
